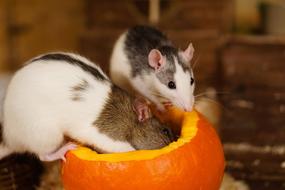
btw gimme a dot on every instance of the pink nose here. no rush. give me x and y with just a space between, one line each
188 108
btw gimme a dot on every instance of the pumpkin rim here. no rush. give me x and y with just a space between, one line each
188 132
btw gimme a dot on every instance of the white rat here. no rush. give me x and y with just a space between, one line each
144 61
62 95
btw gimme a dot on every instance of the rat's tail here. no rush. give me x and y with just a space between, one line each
4 151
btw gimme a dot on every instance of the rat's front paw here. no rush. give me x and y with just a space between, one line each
59 154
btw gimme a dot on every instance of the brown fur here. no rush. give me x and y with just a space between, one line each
118 112
119 121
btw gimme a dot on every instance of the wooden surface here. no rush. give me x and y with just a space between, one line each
115 14
254 78
198 15
33 27
253 123
4 47
262 167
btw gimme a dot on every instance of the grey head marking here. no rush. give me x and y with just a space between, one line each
140 40
168 70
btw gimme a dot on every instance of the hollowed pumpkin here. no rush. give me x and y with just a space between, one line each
194 162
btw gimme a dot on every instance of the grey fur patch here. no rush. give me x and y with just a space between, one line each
76 98
138 43
68 59
140 40
78 90
185 65
82 86
166 74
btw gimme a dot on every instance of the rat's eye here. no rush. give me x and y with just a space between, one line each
166 132
171 85
192 81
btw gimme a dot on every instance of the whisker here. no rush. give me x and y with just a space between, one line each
159 95
201 94
213 101
223 92
181 104
196 60
209 93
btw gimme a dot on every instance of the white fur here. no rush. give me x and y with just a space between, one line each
120 69
142 83
39 112
184 90
148 84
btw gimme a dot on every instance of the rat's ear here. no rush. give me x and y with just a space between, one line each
188 53
156 59
141 108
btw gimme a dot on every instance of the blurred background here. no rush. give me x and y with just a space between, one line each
239 65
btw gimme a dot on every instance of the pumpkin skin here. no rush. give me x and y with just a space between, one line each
194 161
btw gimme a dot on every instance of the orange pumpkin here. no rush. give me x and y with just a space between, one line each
194 161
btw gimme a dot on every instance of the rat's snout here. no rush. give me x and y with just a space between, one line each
188 106
188 109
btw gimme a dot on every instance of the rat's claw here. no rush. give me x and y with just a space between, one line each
63 158
168 103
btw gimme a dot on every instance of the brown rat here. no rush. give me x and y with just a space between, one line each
150 134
